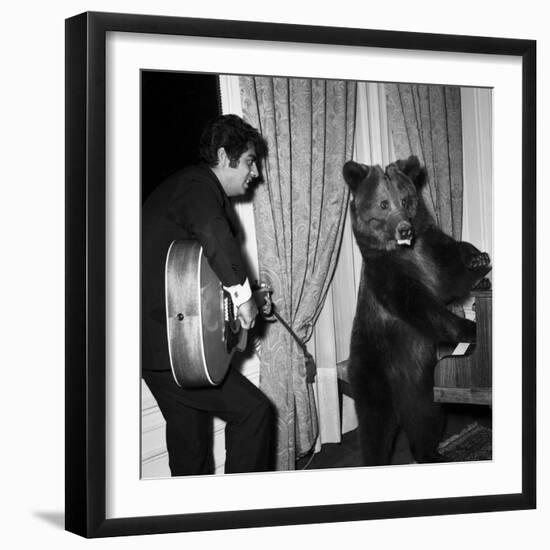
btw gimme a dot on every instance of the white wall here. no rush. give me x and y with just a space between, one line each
31 172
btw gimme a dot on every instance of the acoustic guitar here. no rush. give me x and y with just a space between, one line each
201 320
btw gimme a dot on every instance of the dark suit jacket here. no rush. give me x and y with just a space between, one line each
190 204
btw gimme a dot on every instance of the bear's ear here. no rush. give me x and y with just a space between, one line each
412 169
354 173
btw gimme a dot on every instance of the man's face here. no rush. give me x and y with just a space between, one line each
235 181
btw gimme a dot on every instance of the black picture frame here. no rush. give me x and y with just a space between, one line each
86 267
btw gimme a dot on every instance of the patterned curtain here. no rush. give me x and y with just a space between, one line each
299 216
427 121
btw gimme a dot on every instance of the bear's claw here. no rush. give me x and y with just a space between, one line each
478 260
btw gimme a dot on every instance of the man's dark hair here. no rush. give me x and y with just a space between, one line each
235 136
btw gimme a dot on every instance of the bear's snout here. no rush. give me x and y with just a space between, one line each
400 228
404 233
404 230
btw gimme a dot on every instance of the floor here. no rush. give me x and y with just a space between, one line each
346 454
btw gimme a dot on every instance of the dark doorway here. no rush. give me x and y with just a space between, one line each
174 108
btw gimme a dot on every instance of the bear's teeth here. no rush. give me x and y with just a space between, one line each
404 241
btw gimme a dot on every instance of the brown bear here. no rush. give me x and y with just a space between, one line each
411 272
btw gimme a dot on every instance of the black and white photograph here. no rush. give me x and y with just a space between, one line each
316 275
295 295
304 303
274 275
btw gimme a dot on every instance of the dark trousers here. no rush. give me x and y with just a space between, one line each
188 412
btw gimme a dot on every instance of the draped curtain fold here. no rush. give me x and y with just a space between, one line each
426 121
299 216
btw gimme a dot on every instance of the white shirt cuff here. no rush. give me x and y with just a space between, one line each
239 293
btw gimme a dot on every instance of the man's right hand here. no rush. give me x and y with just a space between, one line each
247 312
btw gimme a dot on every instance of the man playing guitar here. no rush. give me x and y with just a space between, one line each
194 204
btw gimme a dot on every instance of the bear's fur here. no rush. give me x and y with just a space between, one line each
411 272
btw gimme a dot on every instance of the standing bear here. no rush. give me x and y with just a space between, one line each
411 272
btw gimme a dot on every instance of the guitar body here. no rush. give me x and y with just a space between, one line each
196 318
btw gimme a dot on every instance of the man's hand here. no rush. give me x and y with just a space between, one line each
247 312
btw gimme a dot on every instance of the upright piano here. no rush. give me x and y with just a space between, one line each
463 373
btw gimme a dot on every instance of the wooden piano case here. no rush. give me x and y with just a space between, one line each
468 378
